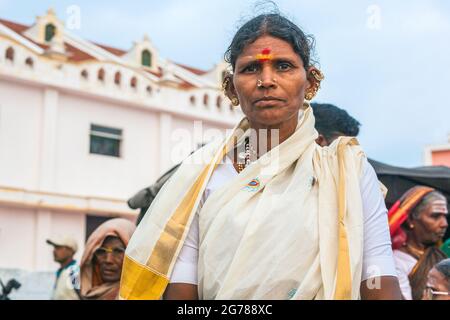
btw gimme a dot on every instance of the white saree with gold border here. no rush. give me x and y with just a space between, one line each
289 226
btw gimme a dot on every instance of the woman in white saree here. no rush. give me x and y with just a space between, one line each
267 213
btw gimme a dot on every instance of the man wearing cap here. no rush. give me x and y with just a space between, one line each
67 285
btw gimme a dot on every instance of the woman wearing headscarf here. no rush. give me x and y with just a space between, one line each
266 213
102 261
418 221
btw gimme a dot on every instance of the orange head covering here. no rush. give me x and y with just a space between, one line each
400 211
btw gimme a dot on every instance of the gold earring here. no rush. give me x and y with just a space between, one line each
235 101
306 105
309 95
318 76
411 226
225 83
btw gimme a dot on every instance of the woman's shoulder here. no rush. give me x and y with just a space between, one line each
404 261
346 148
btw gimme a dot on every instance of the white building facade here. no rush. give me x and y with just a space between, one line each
84 126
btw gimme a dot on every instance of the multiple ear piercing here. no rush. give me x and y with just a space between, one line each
312 91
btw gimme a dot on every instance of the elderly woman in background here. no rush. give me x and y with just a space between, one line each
101 264
438 282
266 213
418 221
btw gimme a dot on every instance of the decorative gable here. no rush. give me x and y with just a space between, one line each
143 54
48 30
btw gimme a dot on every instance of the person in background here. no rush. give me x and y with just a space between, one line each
144 198
446 247
438 282
333 122
101 264
417 224
67 285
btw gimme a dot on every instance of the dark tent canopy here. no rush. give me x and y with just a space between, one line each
398 179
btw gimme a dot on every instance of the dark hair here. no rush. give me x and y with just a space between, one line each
444 268
418 277
332 121
275 25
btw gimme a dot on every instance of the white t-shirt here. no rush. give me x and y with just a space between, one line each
404 264
377 252
66 283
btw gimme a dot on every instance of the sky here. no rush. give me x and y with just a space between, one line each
386 62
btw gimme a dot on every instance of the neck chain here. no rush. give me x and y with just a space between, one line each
414 251
244 158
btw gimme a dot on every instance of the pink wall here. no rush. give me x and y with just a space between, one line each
82 173
23 233
16 238
20 126
441 158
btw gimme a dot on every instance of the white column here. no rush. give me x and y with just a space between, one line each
427 157
47 168
46 181
42 251
81 237
165 131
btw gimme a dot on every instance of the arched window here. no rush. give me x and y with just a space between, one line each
101 75
146 58
50 31
205 99
219 101
29 62
192 100
9 54
117 78
133 82
84 74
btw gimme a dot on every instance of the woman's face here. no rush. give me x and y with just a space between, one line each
431 224
436 282
282 81
110 259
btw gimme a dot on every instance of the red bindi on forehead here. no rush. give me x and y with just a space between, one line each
265 55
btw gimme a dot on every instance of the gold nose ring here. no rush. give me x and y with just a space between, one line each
259 83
